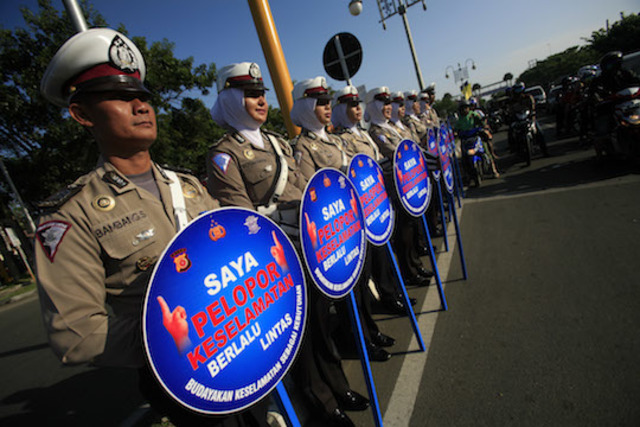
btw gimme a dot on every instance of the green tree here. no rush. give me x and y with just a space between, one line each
46 150
446 106
624 35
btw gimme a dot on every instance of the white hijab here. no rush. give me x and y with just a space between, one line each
374 112
394 115
303 115
229 112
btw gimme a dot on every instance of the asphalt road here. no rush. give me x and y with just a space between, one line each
543 333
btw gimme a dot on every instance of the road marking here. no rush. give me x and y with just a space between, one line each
407 386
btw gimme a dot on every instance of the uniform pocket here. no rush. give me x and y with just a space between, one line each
124 236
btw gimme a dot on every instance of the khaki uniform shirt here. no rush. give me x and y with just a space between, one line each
313 153
417 125
357 144
98 244
387 140
240 174
405 132
430 117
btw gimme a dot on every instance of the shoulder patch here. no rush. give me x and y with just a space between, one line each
222 160
50 235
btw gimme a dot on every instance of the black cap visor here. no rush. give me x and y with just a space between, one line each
118 83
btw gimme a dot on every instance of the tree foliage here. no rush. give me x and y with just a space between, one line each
46 150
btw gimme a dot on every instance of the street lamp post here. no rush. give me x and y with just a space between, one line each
387 9
462 73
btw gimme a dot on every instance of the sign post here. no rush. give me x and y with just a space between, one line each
432 148
366 175
414 190
225 311
446 158
333 237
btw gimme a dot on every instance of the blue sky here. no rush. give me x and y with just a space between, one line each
498 35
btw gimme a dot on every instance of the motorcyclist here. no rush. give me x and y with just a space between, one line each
613 78
522 101
468 120
487 136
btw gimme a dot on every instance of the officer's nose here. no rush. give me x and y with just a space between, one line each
140 106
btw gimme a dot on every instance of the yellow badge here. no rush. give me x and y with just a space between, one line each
103 203
249 154
313 146
188 190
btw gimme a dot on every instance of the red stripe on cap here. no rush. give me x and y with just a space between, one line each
243 78
101 70
315 90
349 96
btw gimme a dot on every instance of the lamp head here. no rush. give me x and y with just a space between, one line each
355 7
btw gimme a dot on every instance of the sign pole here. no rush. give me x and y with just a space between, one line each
452 207
407 303
443 219
364 360
343 63
285 404
434 264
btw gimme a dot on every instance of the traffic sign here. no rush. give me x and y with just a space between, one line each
342 56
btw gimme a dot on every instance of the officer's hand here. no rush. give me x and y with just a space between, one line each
312 231
176 324
354 204
278 253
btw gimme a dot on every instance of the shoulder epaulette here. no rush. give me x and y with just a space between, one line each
276 134
63 196
177 169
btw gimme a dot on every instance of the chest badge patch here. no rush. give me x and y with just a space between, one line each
249 154
50 234
103 203
188 190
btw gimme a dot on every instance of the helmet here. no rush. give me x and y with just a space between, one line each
464 103
473 102
518 88
611 62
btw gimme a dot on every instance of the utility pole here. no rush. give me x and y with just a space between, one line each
268 35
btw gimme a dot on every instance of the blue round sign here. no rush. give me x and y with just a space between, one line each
225 311
366 176
445 158
412 183
332 232
432 147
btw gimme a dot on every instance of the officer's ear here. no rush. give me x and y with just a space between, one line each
80 114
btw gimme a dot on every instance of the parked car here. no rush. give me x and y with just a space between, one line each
539 95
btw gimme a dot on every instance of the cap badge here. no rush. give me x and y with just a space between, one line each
122 56
103 203
249 154
323 84
254 70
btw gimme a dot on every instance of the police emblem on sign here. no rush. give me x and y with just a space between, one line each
121 55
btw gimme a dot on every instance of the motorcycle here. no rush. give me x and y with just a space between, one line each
495 121
475 156
621 121
523 130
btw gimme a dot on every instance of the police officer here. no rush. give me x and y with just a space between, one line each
256 169
346 117
101 236
411 118
251 167
428 114
314 147
397 116
378 113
